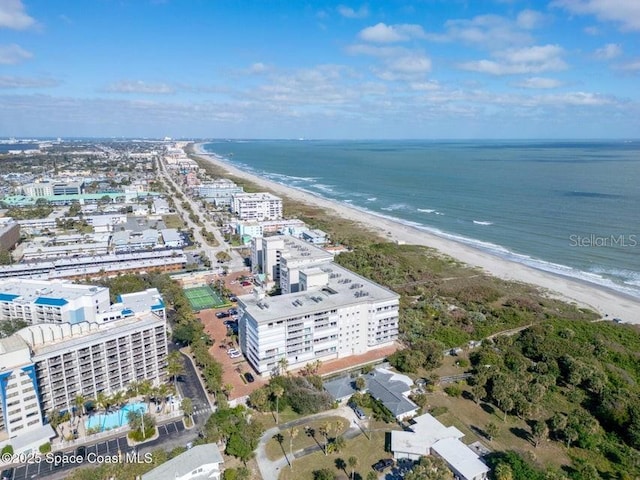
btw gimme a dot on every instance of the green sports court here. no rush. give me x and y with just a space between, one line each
203 297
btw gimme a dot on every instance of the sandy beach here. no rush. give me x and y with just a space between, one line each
608 303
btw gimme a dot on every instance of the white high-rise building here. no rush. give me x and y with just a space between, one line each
256 206
336 314
281 257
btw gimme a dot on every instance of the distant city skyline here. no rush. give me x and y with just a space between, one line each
320 70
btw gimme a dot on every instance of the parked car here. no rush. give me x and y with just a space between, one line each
235 355
232 311
222 315
7 474
232 350
245 284
81 451
380 465
233 298
249 377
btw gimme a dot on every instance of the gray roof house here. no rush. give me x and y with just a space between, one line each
202 462
392 390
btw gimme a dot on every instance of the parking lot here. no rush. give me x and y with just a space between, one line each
233 368
109 450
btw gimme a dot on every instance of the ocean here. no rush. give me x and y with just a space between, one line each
567 207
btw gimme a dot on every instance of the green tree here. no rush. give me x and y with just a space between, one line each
175 365
491 429
539 431
324 474
187 408
277 391
353 463
5 257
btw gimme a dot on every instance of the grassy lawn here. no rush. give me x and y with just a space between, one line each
468 417
268 419
173 221
304 440
366 451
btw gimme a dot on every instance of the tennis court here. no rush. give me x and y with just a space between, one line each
203 297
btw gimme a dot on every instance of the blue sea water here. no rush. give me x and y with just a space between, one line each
568 207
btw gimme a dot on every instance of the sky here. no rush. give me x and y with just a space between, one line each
430 69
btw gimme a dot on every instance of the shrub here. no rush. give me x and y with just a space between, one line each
454 390
45 447
7 449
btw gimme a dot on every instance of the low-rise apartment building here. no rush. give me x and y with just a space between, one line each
336 314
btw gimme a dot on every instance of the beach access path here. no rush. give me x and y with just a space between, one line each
608 303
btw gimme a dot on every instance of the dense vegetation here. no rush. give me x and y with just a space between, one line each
234 427
304 395
573 382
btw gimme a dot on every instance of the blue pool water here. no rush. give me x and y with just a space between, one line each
107 421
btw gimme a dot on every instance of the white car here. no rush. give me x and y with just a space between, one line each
235 355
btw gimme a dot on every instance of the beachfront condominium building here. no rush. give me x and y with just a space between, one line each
43 301
336 314
256 206
46 366
281 257
218 191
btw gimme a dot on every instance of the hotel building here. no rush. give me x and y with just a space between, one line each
45 366
336 313
256 206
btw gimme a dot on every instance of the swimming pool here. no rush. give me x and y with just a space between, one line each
107 421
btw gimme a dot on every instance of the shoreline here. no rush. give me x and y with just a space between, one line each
607 302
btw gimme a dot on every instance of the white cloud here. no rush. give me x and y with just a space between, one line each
536 59
633 66
609 51
382 33
12 15
427 86
258 68
539 83
624 12
349 12
530 19
374 51
12 54
26 82
127 86
488 31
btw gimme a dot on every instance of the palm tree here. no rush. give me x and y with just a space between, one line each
227 389
293 433
78 403
102 402
325 429
175 367
187 408
353 463
55 419
132 388
283 364
146 390
277 391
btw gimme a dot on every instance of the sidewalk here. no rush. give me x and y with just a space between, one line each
270 469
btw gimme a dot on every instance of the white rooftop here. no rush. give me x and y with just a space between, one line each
426 431
343 288
30 290
460 457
